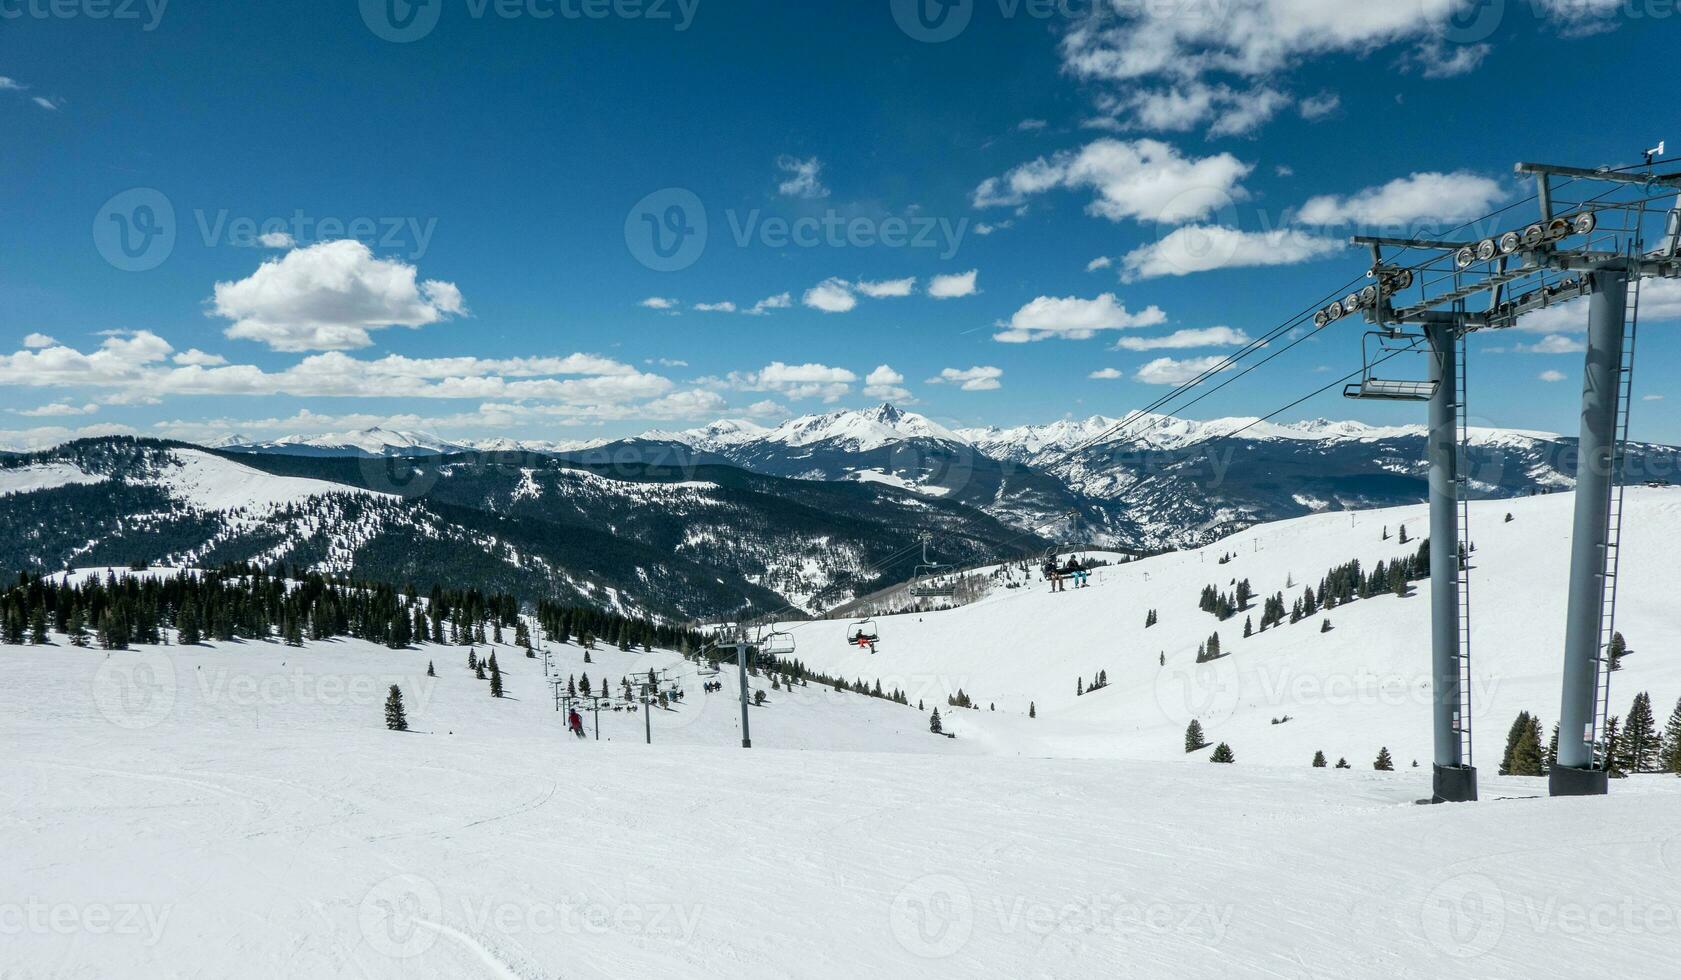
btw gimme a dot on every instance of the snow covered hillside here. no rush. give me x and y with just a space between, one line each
239 809
1360 687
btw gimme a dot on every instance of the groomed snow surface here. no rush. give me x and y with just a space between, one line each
239 809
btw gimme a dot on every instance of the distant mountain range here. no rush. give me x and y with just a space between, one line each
1156 481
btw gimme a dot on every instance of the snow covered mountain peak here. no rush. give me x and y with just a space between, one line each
861 430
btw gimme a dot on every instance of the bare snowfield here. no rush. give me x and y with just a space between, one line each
239 809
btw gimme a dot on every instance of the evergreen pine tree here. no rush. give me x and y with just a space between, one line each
934 723
1033 710
1670 759
1319 760
1248 627
395 719
1343 764
1519 725
1526 752
1384 763
1223 754
495 678
429 671
1194 739
1611 754
1639 746
1617 651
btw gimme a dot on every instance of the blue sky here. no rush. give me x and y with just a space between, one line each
460 197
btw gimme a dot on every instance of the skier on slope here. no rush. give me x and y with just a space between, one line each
575 723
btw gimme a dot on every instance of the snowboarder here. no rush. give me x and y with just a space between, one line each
575 723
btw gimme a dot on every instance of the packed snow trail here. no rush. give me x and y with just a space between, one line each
239 810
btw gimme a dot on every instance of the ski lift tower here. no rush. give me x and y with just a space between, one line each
1589 239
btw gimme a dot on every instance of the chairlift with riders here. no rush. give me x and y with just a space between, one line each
864 634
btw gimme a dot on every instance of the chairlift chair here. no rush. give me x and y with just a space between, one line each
776 643
926 584
1389 344
863 633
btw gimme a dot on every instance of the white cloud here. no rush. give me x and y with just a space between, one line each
38 340
1437 197
10 84
793 380
1167 371
196 357
1651 398
1316 107
1186 339
805 177
1101 262
276 239
659 303
887 288
1551 376
1073 318
831 296
886 384
984 228
1435 58
1031 125
666 362
1250 38
1147 180
781 301
1660 299
46 436
724 307
51 105
1226 110
971 379
329 296
1553 344
1106 374
1200 248
954 286
57 409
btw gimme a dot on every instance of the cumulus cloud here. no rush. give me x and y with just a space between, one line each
1073 318
57 409
1225 110
1447 198
793 381
1553 344
1145 179
196 357
781 301
659 303
803 178
1106 374
887 288
1200 248
886 384
1551 376
276 239
724 307
1316 107
1101 262
1186 339
35 341
831 296
329 296
971 379
954 286
1168 371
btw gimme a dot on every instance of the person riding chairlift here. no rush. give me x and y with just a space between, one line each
865 640
1078 571
1053 573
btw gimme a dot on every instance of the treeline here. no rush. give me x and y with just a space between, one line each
564 623
245 602
1631 743
1344 584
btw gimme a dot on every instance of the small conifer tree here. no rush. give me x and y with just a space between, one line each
1384 763
395 719
1319 760
1223 754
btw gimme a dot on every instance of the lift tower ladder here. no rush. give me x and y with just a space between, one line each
1462 484
1614 523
